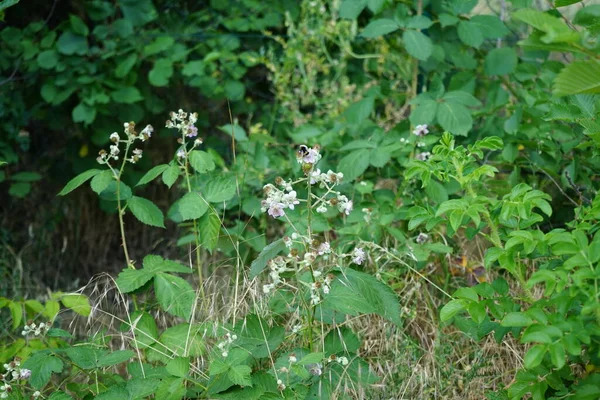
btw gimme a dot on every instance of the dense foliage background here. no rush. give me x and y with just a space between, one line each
467 134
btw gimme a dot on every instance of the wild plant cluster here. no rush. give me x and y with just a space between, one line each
421 221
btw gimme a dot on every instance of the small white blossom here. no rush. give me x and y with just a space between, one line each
343 361
423 156
344 205
324 248
293 359
308 156
421 130
181 154
36 394
322 209
358 256
114 137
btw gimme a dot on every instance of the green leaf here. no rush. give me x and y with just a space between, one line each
171 389
556 30
84 113
380 27
77 302
146 211
516 319
470 34
143 326
464 98
47 59
354 164
162 71
16 313
209 227
126 95
500 61
240 375
125 66
42 364
110 193
220 188
26 177
579 77
424 113
491 26
152 174
59 396
7 3
19 189
354 293
238 132
312 358
132 279
175 295
268 253
417 44
534 356
452 308
138 12
360 111
114 358
454 118
201 161
564 3
159 44
78 26
350 9
101 181
170 175
190 206
69 43
179 366
55 332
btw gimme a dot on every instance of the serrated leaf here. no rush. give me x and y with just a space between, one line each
100 182
152 174
454 118
78 181
179 366
114 358
579 77
534 356
209 227
417 44
350 9
268 253
201 161
220 188
42 364
146 211
190 206
170 175
354 293
380 27
354 164
240 375
470 33
77 302
175 295
516 319
452 308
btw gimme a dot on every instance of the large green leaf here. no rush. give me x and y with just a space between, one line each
170 174
500 61
209 227
555 29
417 44
190 206
268 253
78 181
350 9
201 161
77 302
354 293
152 174
580 77
42 364
101 181
138 12
146 211
132 279
380 27
162 71
220 188
354 164
175 295
454 118
470 33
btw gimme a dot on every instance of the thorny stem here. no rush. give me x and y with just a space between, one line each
120 209
311 311
197 242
